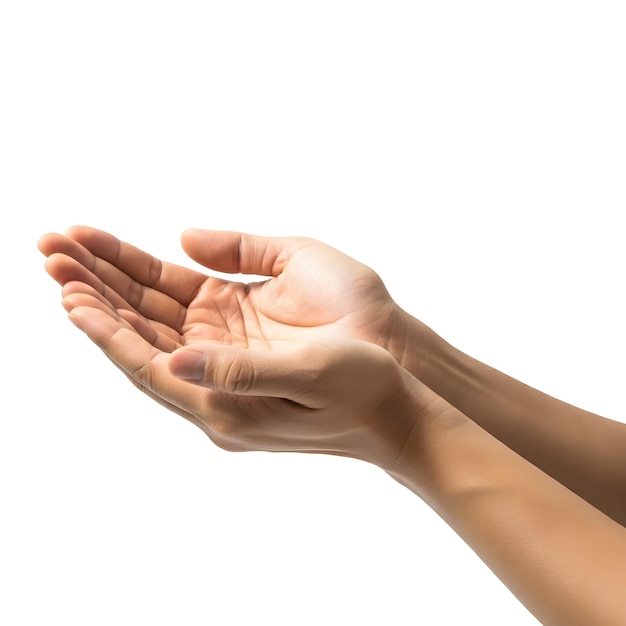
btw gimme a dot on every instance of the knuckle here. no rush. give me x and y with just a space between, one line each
237 376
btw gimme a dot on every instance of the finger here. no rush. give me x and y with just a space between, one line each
167 405
56 246
54 243
65 269
115 286
146 330
144 269
73 300
159 335
146 369
75 288
145 364
234 252
289 373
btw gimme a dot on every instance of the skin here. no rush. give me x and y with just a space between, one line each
319 358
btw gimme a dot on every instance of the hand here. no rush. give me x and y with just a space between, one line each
342 397
139 310
312 289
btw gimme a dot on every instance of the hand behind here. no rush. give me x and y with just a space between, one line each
139 310
312 288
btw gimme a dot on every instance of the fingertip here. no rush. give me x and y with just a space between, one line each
41 242
52 263
75 319
78 233
192 235
80 316
49 243
188 236
72 230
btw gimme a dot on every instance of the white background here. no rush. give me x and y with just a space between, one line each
473 153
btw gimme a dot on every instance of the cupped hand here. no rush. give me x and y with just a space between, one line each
311 288
139 310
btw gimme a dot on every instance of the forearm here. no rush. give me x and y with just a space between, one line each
560 556
583 451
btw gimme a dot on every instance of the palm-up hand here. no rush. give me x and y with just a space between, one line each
290 336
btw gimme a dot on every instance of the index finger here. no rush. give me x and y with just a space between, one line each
178 282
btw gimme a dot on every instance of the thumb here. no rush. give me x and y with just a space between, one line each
238 253
245 371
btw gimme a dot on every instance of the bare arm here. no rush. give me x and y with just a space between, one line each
583 451
561 557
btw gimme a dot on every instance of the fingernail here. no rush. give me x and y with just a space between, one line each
188 364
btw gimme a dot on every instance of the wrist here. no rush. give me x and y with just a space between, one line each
404 339
430 425
418 348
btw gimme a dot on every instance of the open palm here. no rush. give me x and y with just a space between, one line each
139 309
310 287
